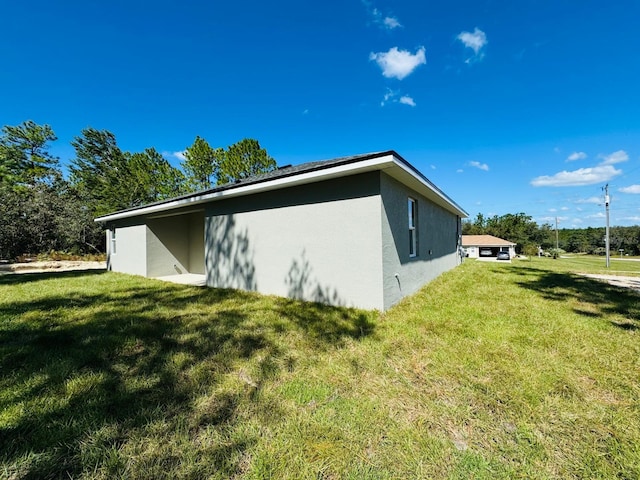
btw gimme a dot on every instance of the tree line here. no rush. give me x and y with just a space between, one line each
43 209
528 235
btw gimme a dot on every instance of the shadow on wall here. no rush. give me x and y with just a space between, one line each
301 286
229 259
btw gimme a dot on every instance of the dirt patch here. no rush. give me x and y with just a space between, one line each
51 266
632 283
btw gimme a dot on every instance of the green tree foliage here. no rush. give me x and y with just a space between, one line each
244 159
518 228
201 164
150 178
97 171
205 166
108 179
39 211
591 240
24 156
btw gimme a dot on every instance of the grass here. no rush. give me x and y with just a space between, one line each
520 370
590 264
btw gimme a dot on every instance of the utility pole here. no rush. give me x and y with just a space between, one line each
556 234
606 206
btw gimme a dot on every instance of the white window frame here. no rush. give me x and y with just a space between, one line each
113 241
412 212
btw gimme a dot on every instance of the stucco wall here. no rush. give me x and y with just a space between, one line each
319 242
196 243
131 248
437 241
167 246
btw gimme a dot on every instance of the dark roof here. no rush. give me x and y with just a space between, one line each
281 172
290 171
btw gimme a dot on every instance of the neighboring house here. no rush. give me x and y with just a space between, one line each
486 246
361 231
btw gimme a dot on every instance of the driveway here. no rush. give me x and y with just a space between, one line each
618 280
492 259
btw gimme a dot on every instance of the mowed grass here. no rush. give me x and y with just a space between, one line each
589 264
519 370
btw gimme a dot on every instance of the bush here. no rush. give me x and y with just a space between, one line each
556 252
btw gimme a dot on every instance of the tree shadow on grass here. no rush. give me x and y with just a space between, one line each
599 299
86 367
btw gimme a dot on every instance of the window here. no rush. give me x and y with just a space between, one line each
413 234
113 241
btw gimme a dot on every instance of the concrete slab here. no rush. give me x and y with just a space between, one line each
192 279
492 259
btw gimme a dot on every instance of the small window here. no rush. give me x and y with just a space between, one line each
413 234
113 241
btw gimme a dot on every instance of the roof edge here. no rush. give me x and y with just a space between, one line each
291 176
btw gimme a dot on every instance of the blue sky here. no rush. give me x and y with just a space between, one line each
508 106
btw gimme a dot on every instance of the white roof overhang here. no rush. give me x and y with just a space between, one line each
390 163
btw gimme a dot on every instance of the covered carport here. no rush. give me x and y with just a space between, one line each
486 246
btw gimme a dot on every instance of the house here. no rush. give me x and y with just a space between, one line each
361 231
486 246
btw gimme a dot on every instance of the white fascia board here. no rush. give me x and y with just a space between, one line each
378 163
426 188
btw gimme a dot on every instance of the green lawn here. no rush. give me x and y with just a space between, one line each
519 370
590 264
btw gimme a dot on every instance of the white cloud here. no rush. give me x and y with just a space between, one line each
596 215
386 22
459 170
392 97
615 157
305 111
564 209
398 63
576 156
179 155
575 178
388 97
481 166
632 219
630 189
594 200
433 167
475 41
552 210
407 100
391 22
